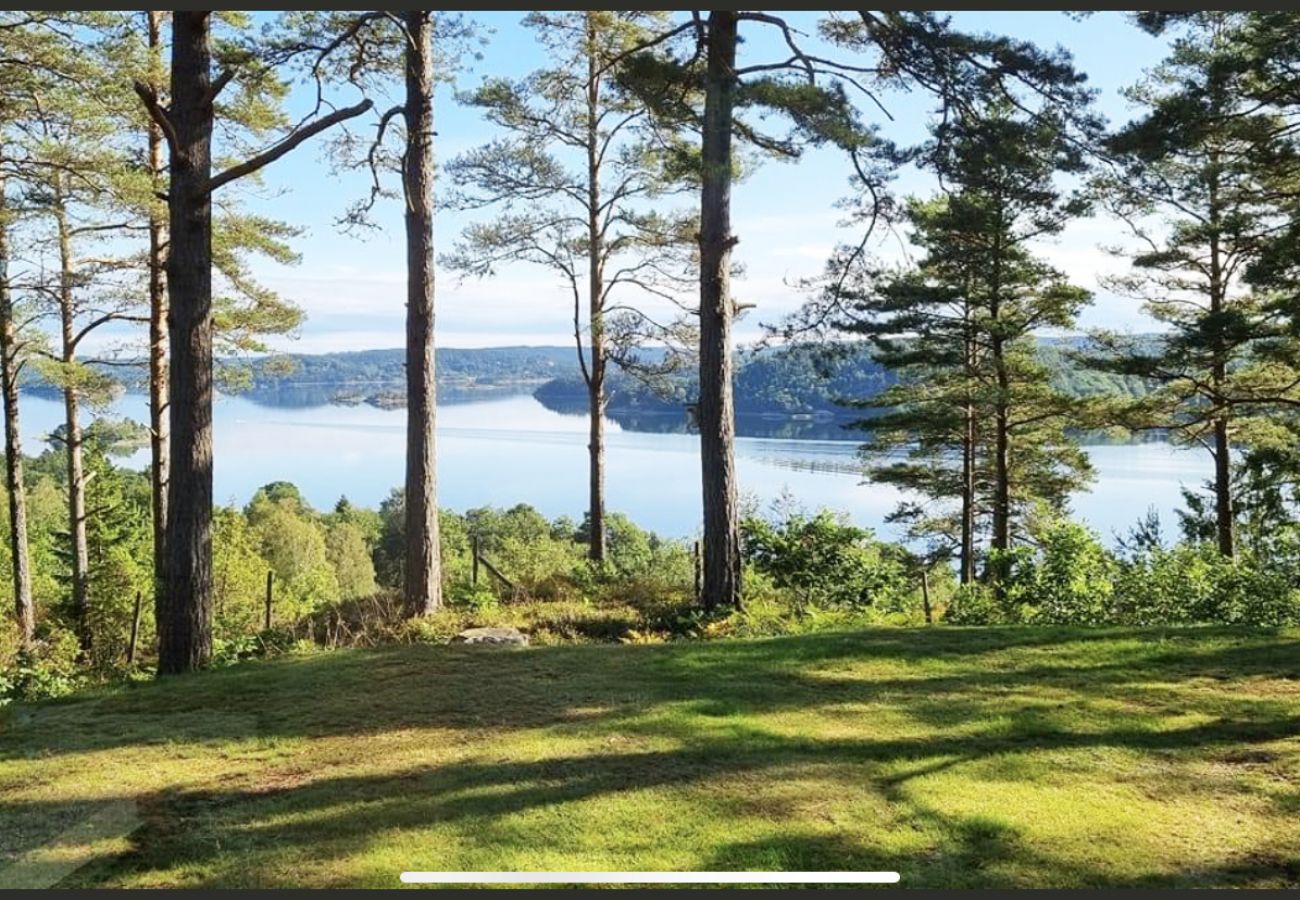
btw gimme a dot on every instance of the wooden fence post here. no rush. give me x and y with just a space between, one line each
925 596
135 630
270 584
699 572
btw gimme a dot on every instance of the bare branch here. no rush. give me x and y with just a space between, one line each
299 136
149 97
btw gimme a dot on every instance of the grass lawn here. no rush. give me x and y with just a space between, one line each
958 757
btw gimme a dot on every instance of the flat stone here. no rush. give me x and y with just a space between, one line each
500 637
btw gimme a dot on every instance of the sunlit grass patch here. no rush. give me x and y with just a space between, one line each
972 757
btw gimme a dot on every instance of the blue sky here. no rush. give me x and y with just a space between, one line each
784 214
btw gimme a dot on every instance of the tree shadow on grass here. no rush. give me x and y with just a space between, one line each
705 701
365 692
229 831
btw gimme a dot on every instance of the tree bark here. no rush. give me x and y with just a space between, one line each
1223 514
24 614
1218 285
158 395
969 435
716 413
596 308
423 581
79 556
1001 471
184 626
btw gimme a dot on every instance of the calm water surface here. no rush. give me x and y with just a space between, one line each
510 449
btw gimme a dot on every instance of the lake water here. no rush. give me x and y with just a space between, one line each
510 449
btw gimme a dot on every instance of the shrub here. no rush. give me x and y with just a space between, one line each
822 561
1069 581
50 668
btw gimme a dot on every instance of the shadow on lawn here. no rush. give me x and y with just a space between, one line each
940 677
433 686
328 818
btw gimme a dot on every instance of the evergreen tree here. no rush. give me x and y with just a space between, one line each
903 50
185 623
710 94
580 160
244 310
375 51
36 53
975 412
1200 178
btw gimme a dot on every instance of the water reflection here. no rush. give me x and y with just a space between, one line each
504 448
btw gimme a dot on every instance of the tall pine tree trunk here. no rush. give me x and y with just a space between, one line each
423 581
158 412
967 550
1223 513
24 615
596 306
1218 284
596 447
1001 471
721 583
79 556
184 628
969 435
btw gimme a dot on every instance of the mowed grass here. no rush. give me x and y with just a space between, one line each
958 757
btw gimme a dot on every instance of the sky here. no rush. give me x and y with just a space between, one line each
352 287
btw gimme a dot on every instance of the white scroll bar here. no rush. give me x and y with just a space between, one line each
649 877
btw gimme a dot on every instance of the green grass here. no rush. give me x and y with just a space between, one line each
958 757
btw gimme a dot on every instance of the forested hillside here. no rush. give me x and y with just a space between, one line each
813 381
802 381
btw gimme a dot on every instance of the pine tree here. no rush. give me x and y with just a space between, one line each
975 412
12 358
904 50
35 53
373 51
1200 178
709 93
244 310
71 184
579 162
185 627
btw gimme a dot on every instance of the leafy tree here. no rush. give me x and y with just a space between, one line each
293 541
348 552
238 575
823 560
390 549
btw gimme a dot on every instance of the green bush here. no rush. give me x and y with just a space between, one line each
1070 578
822 561
50 668
1069 581
1191 583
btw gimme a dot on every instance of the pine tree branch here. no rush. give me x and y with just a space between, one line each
149 97
226 76
299 136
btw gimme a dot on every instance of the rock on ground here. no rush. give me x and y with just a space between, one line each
492 637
